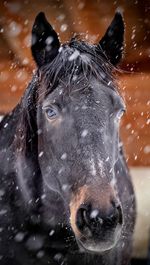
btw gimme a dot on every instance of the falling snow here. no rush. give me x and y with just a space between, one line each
35 243
94 214
41 154
74 55
63 27
84 133
19 237
51 233
147 149
64 156
135 126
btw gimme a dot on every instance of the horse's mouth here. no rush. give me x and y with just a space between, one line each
93 247
98 246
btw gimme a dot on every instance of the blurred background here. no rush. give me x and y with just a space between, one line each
91 19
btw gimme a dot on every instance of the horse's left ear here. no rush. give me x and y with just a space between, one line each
112 43
45 42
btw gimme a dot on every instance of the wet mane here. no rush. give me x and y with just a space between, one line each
77 59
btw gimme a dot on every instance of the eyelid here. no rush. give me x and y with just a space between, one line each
120 113
47 106
121 108
52 107
124 109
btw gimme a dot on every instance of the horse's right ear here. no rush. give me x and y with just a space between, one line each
112 42
45 42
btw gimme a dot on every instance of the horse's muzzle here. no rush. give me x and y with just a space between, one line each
99 232
97 223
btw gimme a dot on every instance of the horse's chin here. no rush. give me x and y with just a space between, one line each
97 247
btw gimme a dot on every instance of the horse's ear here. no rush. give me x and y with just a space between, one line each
45 42
113 41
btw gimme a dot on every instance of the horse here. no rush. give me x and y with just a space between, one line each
66 195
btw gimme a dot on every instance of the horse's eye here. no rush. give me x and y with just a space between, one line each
120 114
51 113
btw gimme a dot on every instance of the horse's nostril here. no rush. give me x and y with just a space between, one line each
115 217
96 220
88 218
82 220
117 211
112 219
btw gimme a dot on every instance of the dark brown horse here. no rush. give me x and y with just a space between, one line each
65 192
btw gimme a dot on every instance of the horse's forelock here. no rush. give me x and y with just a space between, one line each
80 59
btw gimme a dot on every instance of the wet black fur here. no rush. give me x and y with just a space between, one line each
20 139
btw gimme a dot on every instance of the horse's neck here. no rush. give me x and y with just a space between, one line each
8 128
